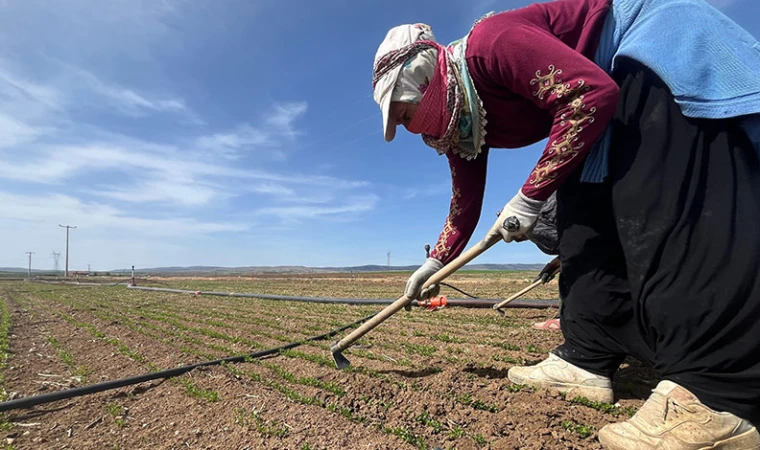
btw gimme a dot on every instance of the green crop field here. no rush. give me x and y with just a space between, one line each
420 380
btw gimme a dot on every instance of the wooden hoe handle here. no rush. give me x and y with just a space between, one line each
394 307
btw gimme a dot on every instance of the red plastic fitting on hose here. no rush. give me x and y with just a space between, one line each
433 303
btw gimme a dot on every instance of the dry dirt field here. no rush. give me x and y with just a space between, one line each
422 380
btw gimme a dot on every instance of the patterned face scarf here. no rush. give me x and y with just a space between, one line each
439 111
445 117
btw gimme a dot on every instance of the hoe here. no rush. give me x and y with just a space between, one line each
510 224
547 274
519 294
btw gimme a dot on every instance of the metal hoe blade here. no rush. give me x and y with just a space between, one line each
340 361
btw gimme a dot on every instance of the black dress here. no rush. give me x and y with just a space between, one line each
661 261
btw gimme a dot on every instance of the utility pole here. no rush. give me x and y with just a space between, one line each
389 259
56 256
30 263
67 245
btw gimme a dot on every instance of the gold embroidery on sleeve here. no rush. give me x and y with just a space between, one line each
567 145
441 249
548 82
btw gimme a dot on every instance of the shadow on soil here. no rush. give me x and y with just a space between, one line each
37 413
121 394
487 372
413 373
634 380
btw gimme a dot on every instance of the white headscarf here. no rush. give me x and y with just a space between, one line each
405 64
388 66
415 77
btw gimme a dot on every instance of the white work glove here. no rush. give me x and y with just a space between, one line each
522 208
414 289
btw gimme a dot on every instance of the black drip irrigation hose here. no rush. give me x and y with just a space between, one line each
458 290
459 302
80 283
27 402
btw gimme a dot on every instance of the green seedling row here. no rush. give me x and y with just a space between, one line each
239 315
106 314
121 319
118 414
252 420
581 430
5 327
190 387
411 348
606 408
289 338
168 314
68 359
401 432
329 311
210 395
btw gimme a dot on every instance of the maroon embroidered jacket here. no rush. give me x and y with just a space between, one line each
533 69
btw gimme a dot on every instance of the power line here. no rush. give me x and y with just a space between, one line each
353 141
342 130
67 245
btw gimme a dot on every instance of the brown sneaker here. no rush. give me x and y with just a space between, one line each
559 375
674 419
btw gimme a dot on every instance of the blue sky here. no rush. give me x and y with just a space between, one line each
225 133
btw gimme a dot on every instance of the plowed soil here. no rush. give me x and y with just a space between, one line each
421 380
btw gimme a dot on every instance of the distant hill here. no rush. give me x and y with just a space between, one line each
217 270
22 270
305 269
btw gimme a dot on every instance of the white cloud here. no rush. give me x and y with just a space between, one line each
133 171
276 128
127 100
229 144
14 132
56 163
172 192
107 237
134 103
284 116
85 141
150 174
13 87
273 189
28 109
50 209
84 28
342 211
426 191
308 195
75 89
